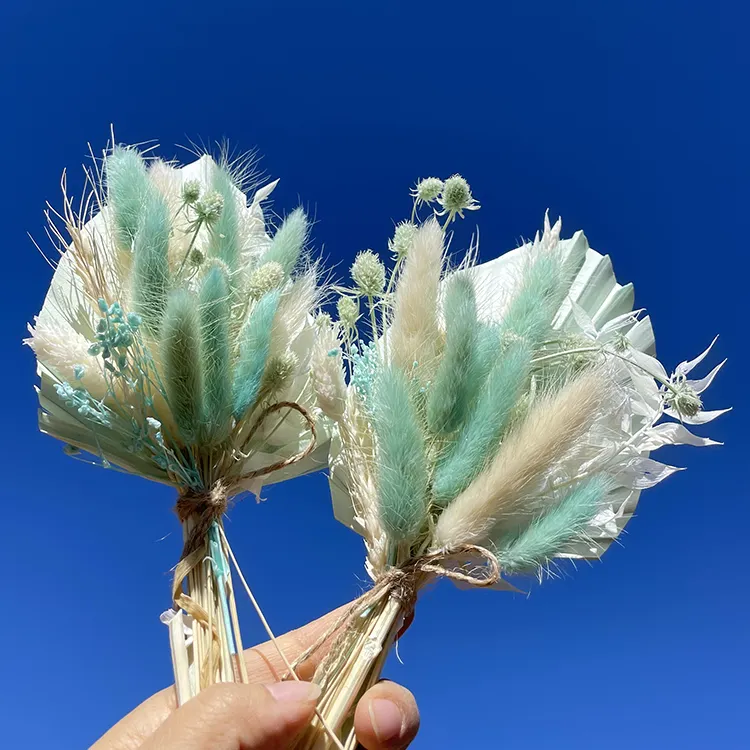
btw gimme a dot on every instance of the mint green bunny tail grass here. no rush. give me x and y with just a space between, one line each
150 279
181 355
215 348
401 462
255 343
458 375
127 188
225 243
480 435
549 532
289 241
531 311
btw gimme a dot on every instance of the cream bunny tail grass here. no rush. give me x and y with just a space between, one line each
414 335
551 428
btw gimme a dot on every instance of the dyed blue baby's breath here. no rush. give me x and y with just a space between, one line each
365 367
84 403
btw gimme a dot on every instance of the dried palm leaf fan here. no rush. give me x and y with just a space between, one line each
500 417
174 344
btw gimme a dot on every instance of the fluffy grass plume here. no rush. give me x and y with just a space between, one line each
414 335
150 274
217 373
549 532
255 342
478 438
127 187
529 315
457 375
401 463
326 370
225 240
551 428
183 380
286 246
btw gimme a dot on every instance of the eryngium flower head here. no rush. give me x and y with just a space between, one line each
348 311
208 209
368 274
683 399
265 278
427 190
402 239
191 191
279 371
456 197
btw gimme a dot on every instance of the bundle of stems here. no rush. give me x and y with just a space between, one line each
499 417
174 343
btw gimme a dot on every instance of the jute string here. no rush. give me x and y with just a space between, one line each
197 512
402 583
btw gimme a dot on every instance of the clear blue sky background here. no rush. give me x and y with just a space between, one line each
627 118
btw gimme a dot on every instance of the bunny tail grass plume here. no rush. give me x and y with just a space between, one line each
414 335
542 290
255 343
549 532
288 241
549 431
225 240
180 340
217 374
127 187
477 440
401 465
150 275
326 370
457 375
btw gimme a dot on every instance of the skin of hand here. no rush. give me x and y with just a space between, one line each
265 714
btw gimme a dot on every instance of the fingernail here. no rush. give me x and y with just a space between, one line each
387 719
294 692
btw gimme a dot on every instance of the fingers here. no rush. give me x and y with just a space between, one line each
263 665
238 717
386 718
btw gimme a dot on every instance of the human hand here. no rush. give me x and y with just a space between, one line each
266 714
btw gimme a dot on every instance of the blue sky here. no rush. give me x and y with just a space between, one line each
627 118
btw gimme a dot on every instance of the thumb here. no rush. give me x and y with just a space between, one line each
238 717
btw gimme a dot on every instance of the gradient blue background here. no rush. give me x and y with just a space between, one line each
628 118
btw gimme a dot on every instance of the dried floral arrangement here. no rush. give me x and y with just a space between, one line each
174 344
489 419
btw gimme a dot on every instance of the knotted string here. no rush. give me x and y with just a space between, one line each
402 583
198 511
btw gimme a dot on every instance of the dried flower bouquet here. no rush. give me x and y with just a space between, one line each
174 344
500 416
